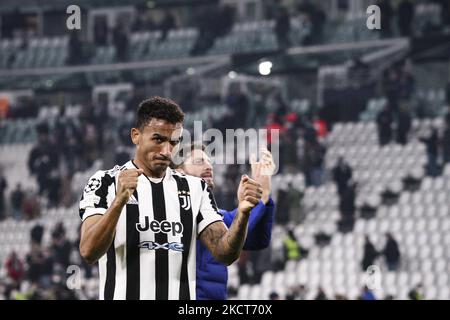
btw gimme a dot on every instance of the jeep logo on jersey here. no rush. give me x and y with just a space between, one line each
185 199
151 245
164 226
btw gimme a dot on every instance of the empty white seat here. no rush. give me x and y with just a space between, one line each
267 278
443 293
244 292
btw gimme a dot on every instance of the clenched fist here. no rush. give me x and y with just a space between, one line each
249 194
127 183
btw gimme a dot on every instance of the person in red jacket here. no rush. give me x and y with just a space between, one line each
14 267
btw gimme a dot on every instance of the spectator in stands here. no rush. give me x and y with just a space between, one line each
213 23
447 94
297 292
36 234
60 291
15 293
404 122
384 125
284 206
31 206
120 40
407 82
36 264
90 142
431 142
271 9
15 268
288 153
43 162
274 122
342 173
4 109
283 27
340 296
3 186
274 296
391 253
347 207
291 293
446 144
322 239
100 118
320 127
166 24
310 133
17 197
370 254
61 248
297 213
367 294
392 87
205 40
75 54
313 163
292 249
416 293
444 7
101 31
302 292
226 19
35 292
321 294
318 20
238 102
316 16
387 14
143 21
405 15
447 116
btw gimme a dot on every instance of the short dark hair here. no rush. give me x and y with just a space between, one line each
158 108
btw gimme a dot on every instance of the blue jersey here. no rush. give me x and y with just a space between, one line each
212 276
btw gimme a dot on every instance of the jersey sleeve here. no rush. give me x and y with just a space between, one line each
208 210
95 194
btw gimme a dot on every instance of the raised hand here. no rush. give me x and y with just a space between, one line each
262 172
249 194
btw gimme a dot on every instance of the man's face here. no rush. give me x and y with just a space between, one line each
155 143
198 164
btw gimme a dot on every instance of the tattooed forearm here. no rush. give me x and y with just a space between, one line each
213 234
226 245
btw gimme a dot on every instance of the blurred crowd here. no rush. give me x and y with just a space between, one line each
43 274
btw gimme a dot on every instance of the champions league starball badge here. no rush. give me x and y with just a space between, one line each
93 185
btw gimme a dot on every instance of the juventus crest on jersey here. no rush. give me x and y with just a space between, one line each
153 252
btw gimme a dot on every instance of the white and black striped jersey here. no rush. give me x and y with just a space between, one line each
153 252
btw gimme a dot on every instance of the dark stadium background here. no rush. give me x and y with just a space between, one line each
379 99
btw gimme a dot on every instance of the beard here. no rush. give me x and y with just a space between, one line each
209 182
159 168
